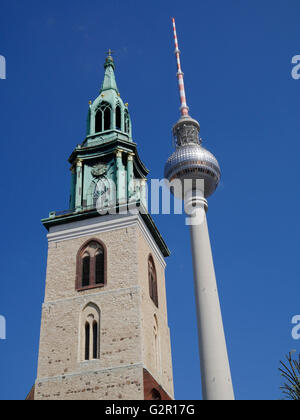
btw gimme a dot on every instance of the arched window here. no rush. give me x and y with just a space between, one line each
86 270
90 333
107 115
99 266
98 122
87 341
155 395
91 265
126 121
156 345
95 340
118 117
103 118
152 281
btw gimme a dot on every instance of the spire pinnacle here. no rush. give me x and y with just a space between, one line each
184 109
109 81
109 59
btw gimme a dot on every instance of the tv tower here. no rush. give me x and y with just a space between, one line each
199 174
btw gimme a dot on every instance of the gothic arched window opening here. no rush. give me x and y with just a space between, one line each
156 345
95 340
107 118
98 122
99 267
86 270
90 333
91 265
152 281
87 341
118 117
126 121
103 118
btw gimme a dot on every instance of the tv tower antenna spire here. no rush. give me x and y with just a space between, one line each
184 108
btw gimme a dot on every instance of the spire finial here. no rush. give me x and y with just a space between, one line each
109 59
184 108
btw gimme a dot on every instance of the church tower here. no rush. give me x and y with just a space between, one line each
104 331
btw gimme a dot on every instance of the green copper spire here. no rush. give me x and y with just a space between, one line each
109 81
108 116
107 174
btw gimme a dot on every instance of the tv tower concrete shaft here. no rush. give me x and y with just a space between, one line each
193 163
215 370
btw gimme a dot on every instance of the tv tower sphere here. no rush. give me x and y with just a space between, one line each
191 161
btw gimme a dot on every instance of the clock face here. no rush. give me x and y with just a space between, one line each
99 170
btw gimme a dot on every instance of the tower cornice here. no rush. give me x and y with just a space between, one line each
105 149
71 217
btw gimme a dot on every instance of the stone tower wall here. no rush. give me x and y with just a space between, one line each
126 315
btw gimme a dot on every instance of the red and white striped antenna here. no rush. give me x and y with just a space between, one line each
184 108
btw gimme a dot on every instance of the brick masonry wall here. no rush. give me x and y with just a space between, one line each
114 384
120 333
125 318
164 376
121 263
150 384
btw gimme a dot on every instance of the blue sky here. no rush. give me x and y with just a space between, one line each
236 56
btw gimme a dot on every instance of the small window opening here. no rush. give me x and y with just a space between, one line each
107 119
118 118
86 271
155 394
99 268
95 340
87 341
126 122
98 127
